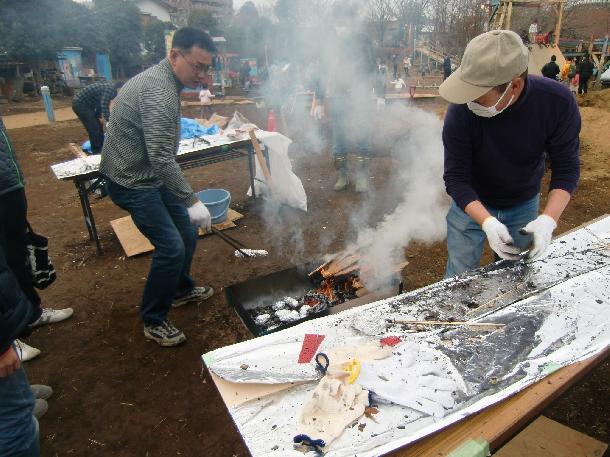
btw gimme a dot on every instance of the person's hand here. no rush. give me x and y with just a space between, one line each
9 363
541 229
200 216
499 239
380 103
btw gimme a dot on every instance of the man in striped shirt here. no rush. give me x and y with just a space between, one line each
139 161
90 105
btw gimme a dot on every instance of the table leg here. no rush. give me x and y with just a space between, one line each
251 168
88 213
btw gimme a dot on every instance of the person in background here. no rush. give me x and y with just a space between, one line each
585 70
244 73
533 31
355 93
446 67
144 179
394 66
13 230
499 128
551 69
91 104
575 84
205 98
406 64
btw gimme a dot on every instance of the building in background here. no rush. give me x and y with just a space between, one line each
221 9
163 10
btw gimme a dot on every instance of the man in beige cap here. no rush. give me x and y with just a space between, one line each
498 127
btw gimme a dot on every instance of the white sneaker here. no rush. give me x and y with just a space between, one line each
50 316
26 352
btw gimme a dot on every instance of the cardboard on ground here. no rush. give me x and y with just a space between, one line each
546 438
134 243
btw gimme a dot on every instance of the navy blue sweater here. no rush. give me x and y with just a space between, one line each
500 160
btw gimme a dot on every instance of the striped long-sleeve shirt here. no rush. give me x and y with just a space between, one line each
143 136
96 97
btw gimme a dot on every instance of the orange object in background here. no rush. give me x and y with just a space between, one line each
271 121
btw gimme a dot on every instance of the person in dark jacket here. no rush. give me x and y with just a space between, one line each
446 67
13 226
18 427
551 69
90 105
498 130
585 70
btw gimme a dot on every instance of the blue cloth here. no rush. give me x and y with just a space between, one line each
500 160
465 237
86 146
190 128
18 431
164 220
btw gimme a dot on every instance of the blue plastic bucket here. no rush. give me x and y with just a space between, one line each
217 201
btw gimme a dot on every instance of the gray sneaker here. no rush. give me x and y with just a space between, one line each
197 294
164 334
41 391
40 408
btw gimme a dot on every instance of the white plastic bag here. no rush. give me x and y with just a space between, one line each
286 187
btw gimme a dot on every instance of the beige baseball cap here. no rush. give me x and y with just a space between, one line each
490 59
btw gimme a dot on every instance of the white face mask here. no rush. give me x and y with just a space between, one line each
490 111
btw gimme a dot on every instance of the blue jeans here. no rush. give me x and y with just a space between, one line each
465 237
164 220
18 428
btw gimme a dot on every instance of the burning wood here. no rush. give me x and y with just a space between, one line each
346 263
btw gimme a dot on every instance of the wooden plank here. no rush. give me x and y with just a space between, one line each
134 243
546 438
260 157
77 151
500 422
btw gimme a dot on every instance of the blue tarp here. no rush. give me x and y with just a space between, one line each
190 128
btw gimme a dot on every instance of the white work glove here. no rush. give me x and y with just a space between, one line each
380 103
333 405
200 216
542 230
499 239
416 377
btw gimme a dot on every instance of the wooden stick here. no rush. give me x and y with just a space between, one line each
261 158
469 324
319 268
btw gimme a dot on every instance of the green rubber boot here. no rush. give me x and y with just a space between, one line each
343 179
362 174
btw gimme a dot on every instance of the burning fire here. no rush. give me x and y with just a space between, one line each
327 288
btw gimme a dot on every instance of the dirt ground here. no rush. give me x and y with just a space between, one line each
117 394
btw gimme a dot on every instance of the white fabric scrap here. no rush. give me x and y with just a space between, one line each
287 188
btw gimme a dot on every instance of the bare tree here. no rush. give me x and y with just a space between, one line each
380 13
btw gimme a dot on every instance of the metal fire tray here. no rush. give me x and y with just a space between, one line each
291 282
266 290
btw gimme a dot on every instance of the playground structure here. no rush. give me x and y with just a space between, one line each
502 13
540 54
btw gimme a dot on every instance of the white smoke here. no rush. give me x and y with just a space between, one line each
322 53
419 216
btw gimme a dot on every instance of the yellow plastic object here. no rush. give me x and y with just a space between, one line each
353 368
